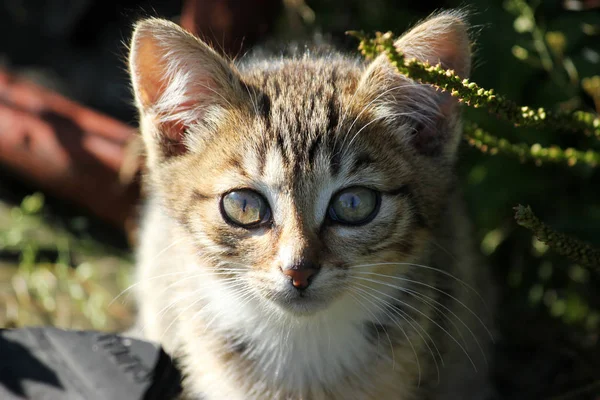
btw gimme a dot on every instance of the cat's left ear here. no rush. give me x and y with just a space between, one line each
441 39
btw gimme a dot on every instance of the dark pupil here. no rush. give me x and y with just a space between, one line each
350 200
244 207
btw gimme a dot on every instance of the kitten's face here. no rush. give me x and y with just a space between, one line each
301 179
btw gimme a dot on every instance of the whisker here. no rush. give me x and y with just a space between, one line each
350 293
179 316
234 285
365 126
370 103
418 311
384 302
237 296
246 266
442 248
198 289
441 271
139 282
382 326
428 300
432 288
200 275
130 287
406 315
160 253
179 299
175 242
435 305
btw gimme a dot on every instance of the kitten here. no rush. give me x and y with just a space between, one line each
304 237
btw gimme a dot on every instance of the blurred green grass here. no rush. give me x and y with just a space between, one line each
49 276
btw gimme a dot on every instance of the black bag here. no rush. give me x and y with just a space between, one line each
53 364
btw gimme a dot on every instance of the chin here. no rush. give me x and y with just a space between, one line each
300 303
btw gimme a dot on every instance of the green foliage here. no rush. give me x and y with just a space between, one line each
471 94
493 145
60 279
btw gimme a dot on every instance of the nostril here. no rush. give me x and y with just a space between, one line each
301 278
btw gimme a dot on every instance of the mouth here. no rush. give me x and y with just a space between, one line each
299 302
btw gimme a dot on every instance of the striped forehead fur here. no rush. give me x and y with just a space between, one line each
197 97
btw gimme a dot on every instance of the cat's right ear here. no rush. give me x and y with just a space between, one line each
181 87
441 39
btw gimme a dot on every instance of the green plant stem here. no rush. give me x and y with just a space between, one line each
471 94
525 10
573 248
491 144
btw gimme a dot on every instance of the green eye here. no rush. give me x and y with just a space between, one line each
245 208
354 206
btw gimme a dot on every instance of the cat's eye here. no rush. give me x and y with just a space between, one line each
245 208
354 206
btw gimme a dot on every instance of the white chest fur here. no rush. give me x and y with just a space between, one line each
293 353
304 357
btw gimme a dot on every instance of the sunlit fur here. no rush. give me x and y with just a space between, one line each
397 310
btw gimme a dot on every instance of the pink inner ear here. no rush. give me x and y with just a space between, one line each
173 131
152 77
150 71
451 55
175 81
172 138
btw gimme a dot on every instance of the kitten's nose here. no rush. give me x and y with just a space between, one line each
301 274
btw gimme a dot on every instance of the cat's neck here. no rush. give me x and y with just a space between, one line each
331 350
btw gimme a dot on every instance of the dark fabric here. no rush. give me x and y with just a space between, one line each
53 364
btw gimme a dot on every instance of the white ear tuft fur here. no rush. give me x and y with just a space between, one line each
443 39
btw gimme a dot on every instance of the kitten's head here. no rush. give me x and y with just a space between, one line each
299 176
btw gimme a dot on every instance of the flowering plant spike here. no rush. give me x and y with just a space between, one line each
565 245
474 96
471 93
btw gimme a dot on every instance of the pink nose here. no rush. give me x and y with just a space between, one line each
301 277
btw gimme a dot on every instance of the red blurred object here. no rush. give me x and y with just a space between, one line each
231 26
78 154
66 149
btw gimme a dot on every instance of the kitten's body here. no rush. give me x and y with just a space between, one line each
394 311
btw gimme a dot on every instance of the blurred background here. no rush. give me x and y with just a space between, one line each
69 170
